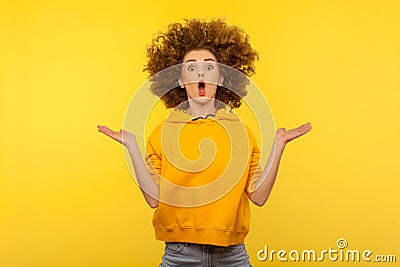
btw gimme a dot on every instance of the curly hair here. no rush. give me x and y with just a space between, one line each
229 44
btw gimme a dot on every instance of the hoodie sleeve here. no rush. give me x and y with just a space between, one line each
154 156
254 169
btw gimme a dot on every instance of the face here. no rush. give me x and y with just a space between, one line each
200 75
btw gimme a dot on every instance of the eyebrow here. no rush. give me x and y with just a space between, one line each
193 60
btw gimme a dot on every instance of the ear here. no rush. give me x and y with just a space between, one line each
181 83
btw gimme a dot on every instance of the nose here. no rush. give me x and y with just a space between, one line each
201 71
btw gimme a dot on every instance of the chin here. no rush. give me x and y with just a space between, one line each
202 99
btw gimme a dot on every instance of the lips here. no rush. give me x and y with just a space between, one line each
202 89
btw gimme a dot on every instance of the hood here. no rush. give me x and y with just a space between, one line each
179 116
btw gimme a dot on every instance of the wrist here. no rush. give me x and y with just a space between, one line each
280 145
132 146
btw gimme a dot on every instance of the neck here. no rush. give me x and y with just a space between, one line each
197 110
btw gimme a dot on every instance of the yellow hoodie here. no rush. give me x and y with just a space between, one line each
204 185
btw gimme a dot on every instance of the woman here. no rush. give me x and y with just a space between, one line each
196 228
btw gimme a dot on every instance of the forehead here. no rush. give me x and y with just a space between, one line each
199 55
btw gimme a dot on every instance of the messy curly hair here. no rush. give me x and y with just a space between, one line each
229 44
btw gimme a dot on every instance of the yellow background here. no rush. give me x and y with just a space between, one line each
66 195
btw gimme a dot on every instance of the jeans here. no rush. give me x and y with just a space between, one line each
189 254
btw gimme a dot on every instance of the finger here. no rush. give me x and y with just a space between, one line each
107 131
102 128
301 131
305 127
297 132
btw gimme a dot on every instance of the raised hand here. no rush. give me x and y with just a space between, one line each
124 137
282 136
268 176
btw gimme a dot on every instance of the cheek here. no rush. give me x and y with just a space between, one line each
191 88
212 77
212 89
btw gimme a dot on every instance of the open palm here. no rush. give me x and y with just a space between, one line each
124 137
284 136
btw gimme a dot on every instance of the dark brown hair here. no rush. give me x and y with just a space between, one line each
229 44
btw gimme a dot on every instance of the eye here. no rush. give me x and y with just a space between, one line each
191 68
209 67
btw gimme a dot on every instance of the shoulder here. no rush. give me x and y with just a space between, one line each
155 134
250 135
227 115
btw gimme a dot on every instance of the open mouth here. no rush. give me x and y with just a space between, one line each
202 89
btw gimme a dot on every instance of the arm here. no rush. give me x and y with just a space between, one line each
268 176
147 185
